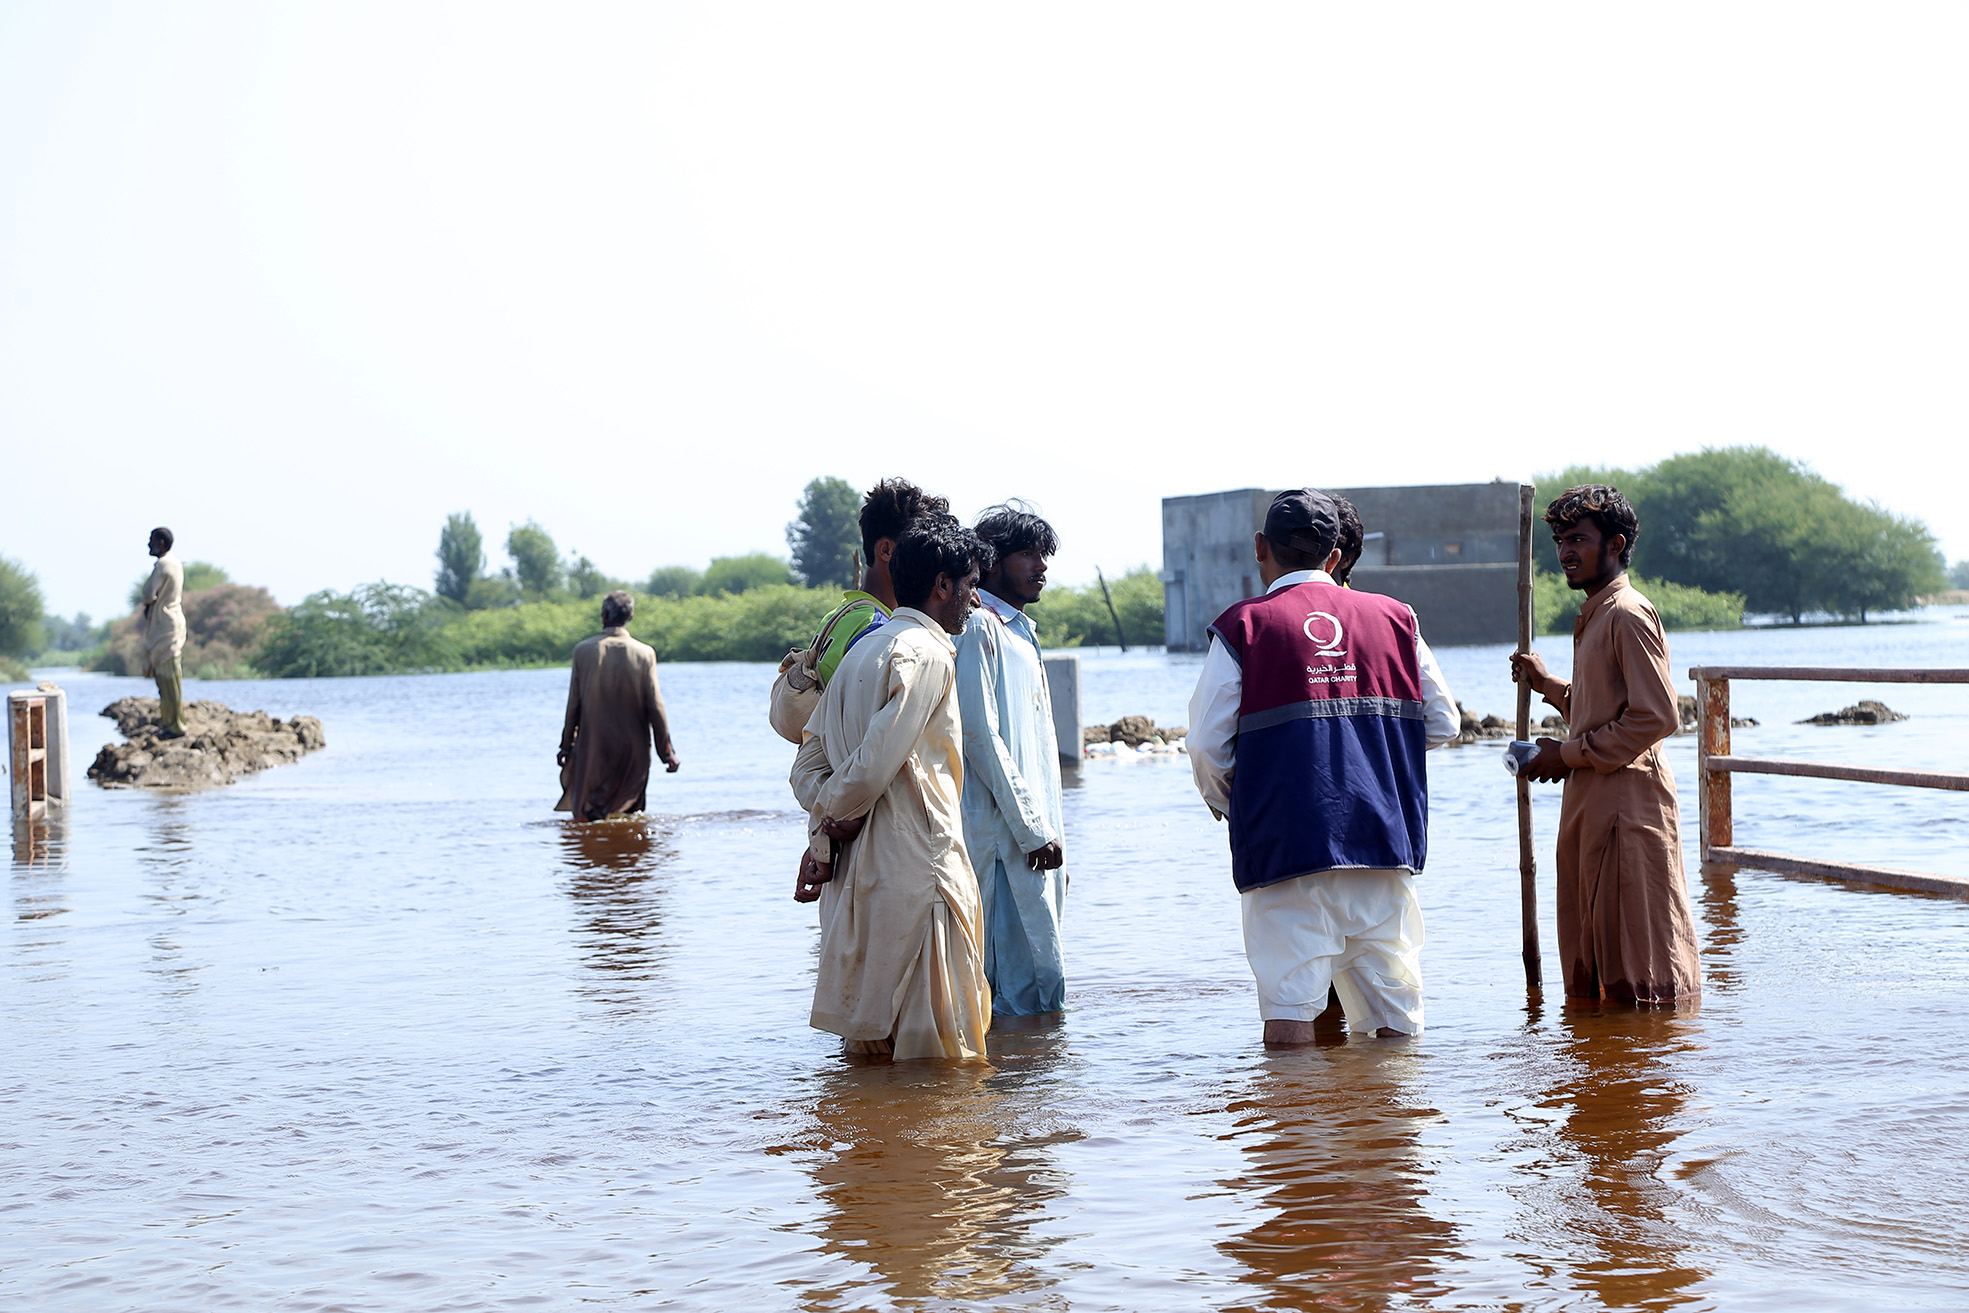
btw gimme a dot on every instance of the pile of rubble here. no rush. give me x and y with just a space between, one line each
1132 736
218 746
1868 712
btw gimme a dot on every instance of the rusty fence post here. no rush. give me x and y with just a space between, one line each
27 744
1713 787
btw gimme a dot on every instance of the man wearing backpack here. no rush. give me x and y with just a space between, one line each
887 512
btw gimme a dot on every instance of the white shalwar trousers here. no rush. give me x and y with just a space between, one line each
1359 931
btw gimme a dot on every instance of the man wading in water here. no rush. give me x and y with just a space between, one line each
1012 823
901 968
1625 928
613 711
1307 731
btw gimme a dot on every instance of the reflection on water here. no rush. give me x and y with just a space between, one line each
40 842
1717 896
929 1184
1330 1137
175 886
452 1052
612 870
1623 1101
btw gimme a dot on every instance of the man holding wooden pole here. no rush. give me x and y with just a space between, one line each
1626 932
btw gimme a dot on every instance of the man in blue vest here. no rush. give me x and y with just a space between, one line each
1307 732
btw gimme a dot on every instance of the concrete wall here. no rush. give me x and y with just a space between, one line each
1448 550
1063 688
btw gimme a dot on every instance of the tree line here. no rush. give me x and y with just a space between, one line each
1746 520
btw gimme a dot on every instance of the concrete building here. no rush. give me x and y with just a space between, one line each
1448 550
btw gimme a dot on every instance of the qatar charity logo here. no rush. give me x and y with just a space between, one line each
1319 620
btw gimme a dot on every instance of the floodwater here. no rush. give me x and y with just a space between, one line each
377 1031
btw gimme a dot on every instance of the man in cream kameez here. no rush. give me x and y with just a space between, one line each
164 632
1012 825
901 969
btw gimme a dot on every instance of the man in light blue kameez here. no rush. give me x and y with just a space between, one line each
1012 771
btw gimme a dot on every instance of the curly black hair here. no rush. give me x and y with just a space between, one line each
889 508
1602 503
1353 537
935 545
1011 526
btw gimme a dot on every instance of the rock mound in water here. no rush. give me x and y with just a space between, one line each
1868 712
219 745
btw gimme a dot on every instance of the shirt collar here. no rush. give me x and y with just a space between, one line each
856 595
1600 601
1300 577
910 615
1010 616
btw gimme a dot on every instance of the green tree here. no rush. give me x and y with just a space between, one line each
1069 616
736 574
461 557
199 576
1745 520
1958 575
20 613
826 533
536 561
673 581
585 578
77 635
1874 560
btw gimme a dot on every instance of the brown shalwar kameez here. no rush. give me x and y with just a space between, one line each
1625 928
613 711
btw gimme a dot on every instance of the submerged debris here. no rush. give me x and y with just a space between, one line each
1132 735
219 745
1867 712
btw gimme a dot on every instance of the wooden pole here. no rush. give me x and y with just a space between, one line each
1527 859
1113 615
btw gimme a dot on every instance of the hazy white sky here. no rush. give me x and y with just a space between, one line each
298 280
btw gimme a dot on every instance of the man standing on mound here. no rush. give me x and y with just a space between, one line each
164 633
1307 731
614 710
881 775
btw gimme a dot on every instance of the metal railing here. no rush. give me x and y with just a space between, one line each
1715 764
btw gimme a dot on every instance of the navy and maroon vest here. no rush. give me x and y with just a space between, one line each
1330 734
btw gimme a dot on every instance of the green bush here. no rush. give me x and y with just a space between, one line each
759 624
737 574
1680 607
1070 616
377 629
672 581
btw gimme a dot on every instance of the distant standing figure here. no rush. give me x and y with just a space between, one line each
1012 825
1625 928
881 774
614 710
164 632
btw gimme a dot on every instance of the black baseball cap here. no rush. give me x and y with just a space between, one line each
1305 520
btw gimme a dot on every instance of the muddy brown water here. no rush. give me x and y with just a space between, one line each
376 1032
